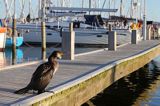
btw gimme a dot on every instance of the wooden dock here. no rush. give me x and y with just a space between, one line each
73 75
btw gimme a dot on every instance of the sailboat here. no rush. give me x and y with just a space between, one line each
85 33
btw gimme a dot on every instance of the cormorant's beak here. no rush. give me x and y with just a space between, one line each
60 55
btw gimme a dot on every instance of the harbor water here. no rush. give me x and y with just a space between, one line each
141 88
31 53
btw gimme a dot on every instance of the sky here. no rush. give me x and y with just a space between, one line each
152 7
153 10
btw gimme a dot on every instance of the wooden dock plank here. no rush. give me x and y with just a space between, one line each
16 78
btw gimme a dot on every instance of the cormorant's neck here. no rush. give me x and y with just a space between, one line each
52 59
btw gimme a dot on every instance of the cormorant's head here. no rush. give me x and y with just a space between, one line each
55 55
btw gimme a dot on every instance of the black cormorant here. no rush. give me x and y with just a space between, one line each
43 74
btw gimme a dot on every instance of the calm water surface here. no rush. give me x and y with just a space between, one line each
32 53
141 88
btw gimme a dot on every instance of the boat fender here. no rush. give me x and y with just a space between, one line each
61 30
27 31
9 32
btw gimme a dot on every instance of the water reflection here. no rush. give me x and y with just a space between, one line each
31 53
2 59
18 55
6 57
141 88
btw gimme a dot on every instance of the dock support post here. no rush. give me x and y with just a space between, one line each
112 40
134 37
14 42
68 43
43 31
43 41
14 36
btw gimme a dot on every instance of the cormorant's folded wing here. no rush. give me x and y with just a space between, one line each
41 70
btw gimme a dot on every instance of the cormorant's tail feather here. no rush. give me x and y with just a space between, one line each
22 91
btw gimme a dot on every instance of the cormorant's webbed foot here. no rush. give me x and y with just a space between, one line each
41 91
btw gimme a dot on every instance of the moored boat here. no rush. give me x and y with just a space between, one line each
19 41
84 34
2 38
8 35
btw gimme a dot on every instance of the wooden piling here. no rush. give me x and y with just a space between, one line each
43 29
14 41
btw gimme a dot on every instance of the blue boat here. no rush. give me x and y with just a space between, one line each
19 41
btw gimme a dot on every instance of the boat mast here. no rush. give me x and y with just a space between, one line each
62 3
121 8
99 5
89 6
22 7
8 13
103 4
39 5
131 14
114 6
39 9
14 15
109 8
30 7
82 3
140 9
43 5
94 4
69 3
144 21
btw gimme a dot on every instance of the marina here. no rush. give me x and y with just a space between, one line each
103 50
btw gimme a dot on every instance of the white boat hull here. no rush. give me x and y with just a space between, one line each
54 37
83 35
2 41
